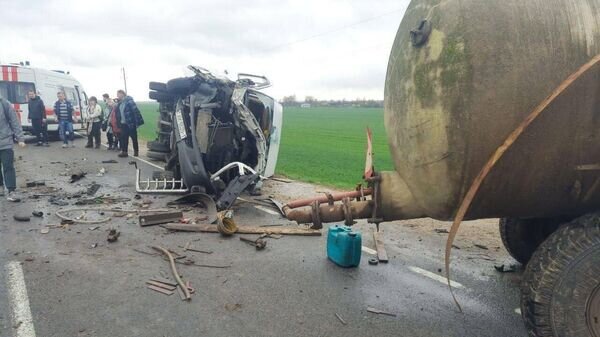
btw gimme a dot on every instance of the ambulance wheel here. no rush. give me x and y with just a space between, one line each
521 237
181 86
160 156
560 290
158 86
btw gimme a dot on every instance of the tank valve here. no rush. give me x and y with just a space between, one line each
420 35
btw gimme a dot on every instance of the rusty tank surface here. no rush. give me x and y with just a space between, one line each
465 78
461 77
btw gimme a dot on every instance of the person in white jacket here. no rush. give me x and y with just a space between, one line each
93 118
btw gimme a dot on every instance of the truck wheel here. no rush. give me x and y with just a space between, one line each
160 96
158 146
560 291
521 237
161 156
181 86
157 86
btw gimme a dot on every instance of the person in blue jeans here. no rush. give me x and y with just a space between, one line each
63 109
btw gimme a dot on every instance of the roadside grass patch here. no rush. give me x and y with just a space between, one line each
318 145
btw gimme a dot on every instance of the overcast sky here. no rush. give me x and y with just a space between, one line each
328 49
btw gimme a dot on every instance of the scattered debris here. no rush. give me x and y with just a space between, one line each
245 229
21 217
187 262
198 200
45 230
78 176
93 189
174 270
282 180
159 218
164 281
57 201
35 183
113 235
161 290
94 228
187 248
118 212
380 312
481 246
161 285
94 245
373 261
259 243
381 252
369 250
101 172
37 214
341 319
112 161
507 269
441 231
232 307
225 224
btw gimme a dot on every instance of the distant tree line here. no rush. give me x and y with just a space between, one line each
310 101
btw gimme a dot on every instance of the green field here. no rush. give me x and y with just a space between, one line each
318 145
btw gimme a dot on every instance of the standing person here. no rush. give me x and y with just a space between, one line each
94 122
37 118
63 109
129 119
10 129
113 139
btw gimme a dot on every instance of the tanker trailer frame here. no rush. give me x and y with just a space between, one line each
462 77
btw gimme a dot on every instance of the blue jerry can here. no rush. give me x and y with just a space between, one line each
344 246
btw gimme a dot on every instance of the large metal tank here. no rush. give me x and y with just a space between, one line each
453 96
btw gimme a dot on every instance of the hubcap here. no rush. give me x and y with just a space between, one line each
593 313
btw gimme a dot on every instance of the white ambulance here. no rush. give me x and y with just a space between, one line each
18 79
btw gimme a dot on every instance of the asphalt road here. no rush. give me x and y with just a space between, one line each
69 288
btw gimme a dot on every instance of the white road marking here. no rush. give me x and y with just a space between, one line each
19 301
435 277
368 250
264 209
518 311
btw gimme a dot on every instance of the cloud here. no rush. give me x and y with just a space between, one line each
326 49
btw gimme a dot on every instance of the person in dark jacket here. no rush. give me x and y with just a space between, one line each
63 109
37 118
129 119
10 130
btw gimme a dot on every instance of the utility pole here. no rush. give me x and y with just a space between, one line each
124 79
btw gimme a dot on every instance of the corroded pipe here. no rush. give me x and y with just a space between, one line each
329 197
392 198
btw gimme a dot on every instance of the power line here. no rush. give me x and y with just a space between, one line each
287 44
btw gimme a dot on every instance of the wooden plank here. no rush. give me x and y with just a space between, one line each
381 252
160 218
160 290
164 280
161 285
181 294
245 229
